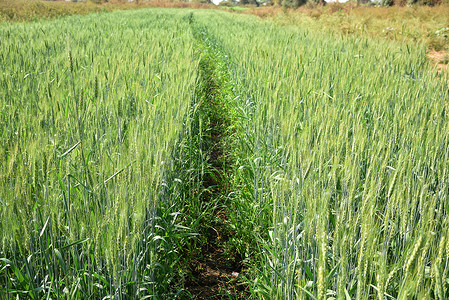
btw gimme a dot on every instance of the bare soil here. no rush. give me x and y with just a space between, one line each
440 59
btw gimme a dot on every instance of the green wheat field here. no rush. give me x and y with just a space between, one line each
330 164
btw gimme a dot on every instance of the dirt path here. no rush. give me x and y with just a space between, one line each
216 271
440 59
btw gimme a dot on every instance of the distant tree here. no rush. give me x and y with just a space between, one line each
227 3
386 2
319 2
249 2
293 3
202 1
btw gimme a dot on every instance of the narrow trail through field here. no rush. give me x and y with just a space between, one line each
215 272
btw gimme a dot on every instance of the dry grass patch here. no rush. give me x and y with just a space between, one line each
429 25
30 10
440 59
